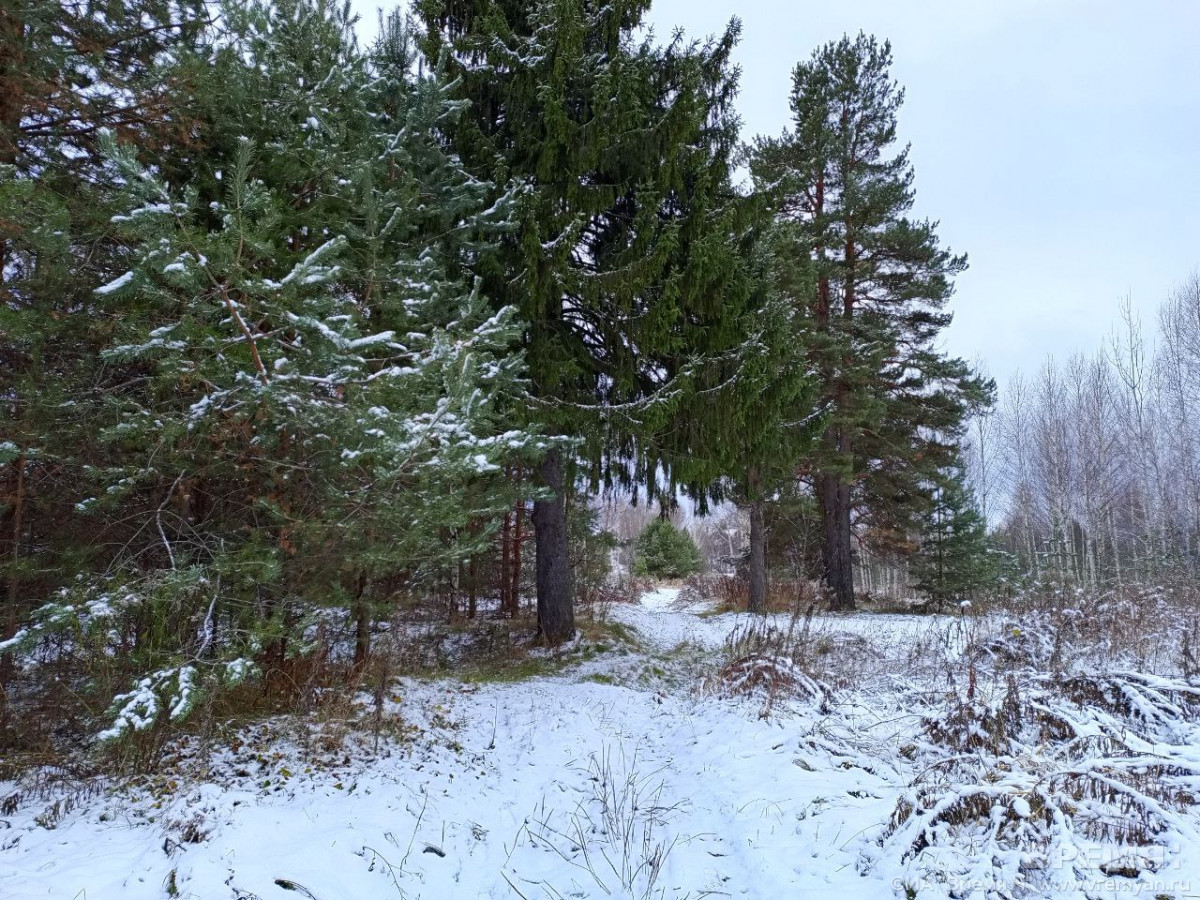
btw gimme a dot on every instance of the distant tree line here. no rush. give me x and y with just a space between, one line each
1089 469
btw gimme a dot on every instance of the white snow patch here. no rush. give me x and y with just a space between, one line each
116 284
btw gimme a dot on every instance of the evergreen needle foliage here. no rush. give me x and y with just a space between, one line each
624 262
664 551
293 331
295 395
955 559
895 404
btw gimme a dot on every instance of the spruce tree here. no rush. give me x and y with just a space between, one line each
623 264
895 404
775 398
954 560
746 428
664 551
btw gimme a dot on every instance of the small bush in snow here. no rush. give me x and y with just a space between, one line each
145 648
761 659
664 551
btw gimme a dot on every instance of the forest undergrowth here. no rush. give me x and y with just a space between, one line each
1045 747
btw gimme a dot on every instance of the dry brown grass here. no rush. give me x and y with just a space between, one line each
731 593
763 660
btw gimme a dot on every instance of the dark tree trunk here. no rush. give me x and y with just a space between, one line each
506 605
9 627
472 590
12 99
833 497
362 626
665 508
839 569
555 605
758 559
514 591
12 81
837 573
458 583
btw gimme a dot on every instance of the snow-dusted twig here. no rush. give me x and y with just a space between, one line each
158 518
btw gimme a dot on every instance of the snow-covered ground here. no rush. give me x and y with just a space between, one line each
665 622
623 776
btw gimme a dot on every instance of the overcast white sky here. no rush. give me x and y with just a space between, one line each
1055 140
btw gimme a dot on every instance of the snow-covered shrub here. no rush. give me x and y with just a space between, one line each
971 724
171 695
1051 784
1065 626
763 660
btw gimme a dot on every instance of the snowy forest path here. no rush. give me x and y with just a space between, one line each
581 784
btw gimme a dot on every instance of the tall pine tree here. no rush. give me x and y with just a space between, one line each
895 403
68 70
301 396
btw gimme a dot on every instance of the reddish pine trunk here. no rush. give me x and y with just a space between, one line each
472 595
12 100
10 614
838 574
506 606
833 494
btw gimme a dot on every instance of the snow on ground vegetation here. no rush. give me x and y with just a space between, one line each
675 754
